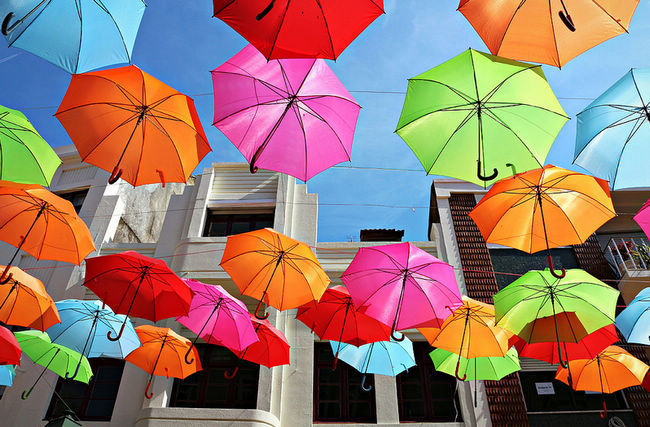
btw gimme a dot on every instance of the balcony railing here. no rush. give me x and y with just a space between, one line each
628 254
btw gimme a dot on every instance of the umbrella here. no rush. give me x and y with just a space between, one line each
401 285
77 36
162 354
477 113
137 285
304 29
224 318
57 358
470 332
643 218
542 209
538 294
271 349
612 132
7 374
634 321
26 157
25 302
550 33
611 370
42 224
292 116
125 121
84 328
382 358
9 348
273 268
334 317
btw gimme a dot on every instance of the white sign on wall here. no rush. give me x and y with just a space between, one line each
544 388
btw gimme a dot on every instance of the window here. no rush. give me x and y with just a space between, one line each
92 402
220 224
518 262
75 197
210 389
424 394
337 393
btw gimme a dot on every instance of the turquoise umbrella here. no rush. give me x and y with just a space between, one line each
7 374
634 321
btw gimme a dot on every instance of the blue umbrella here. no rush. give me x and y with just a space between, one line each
77 36
613 132
7 374
85 326
634 321
382 357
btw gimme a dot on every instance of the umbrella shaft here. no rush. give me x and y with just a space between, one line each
216 307
40 212
13 287
399 302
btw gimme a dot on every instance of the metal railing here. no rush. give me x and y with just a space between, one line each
628 254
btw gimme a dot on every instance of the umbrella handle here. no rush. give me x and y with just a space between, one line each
336 359
395 337
495 172
253 168
189 350
566 20
119 335
514 169
76 371
147 393
257 312
457 368
364 387
5 24
263 13
25 394
117 173
230 376
559 275
5 278
162 177
564 364
604 413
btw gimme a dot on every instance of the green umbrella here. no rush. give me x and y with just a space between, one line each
578 301
25 157
478 113
57 358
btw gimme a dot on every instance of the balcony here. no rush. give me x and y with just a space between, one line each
630 258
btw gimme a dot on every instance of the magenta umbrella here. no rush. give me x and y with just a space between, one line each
290 115
217 318
643 218
403 286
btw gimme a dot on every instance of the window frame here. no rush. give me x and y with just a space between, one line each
70 194
253 216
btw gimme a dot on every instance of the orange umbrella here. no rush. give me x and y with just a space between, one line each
25 302
163 353
273 268
125 121
42 224
542 209
538 31
611 370
470 332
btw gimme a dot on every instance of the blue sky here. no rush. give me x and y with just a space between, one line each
179 43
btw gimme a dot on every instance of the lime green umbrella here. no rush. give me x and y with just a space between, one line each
57 358
25 157
477 114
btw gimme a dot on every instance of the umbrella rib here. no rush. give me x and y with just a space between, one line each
635 128
327 28
521 104
319 117
103 139
277 34
460 126
498 120
32 21
557 49
283 93
296 112
20 141
119 30
81 30
458 92
618 122
496 88
512 18
617 21
162 130
582 196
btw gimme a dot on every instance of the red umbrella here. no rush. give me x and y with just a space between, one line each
271 350
9 348
335 318
137 285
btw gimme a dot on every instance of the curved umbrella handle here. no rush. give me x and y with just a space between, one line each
559 275
395 337
495 172
457 368
5 24
117 173
76 371
253 168
147 393
257 312
603 414
228 376
564 364
5 278
514 169
119 335
162 177
25 394
566 20
189 350
263 13
364 387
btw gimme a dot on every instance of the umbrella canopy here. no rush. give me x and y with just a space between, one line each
25 157
542 209
137 285
643 218
304 29
273 268
127 122
42 224
612 132
401 285
476 115
634 321
539 294
57 358
292 116
9 348
162 354
7 374
77 36
25 302
217 318
550 33
476 368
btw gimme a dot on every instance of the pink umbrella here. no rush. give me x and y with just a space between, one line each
403 285
643 218
290 115
217 318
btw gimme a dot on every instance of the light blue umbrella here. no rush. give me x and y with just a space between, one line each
85 326
78 35
634 321
382 357
7 374
614 130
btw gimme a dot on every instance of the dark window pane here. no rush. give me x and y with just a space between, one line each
217 229
222 224
518 262
75 197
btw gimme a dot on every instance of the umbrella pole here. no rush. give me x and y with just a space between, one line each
13 287
83 352
126 316
363 379
479 171
259 305
399 306
230 376
475 384
602 390
562 272
26 393
6 28
117 171
146 391
557 335
187 354
4 278
460 350
338 347
258 152
566 18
